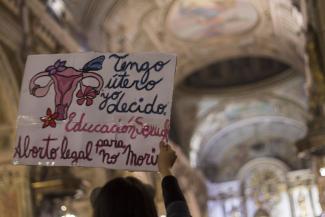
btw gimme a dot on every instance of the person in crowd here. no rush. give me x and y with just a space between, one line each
129 197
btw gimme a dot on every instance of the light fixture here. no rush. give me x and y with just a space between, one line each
57 6
63 208
322 171
68 215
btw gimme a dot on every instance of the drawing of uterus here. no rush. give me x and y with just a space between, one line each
65 81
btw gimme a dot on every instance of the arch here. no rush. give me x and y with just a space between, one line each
265 126
264 162
220 118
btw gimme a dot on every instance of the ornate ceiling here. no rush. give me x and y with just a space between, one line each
239 62
240 74
240 83
266 33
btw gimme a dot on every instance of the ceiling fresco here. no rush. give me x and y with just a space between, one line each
265 123
234 64
249 139
206 32
195 20
216 114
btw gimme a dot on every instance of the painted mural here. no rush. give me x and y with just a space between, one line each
194 20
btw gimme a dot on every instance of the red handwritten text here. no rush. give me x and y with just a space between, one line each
133 130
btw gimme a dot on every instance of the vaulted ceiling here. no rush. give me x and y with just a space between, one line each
240 76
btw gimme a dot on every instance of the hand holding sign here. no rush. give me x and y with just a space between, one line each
166 159
95 110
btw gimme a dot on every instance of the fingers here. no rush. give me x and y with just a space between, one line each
164 146
166 158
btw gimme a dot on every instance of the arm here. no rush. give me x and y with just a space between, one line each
175 202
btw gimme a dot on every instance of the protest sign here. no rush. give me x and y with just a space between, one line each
95 110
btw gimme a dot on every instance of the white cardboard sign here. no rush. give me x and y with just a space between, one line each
95 110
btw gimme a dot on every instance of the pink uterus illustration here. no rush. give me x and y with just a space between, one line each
65 81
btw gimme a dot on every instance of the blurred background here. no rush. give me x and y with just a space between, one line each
248 109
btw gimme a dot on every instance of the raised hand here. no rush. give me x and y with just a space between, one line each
166 159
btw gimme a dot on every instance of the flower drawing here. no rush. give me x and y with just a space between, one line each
58 66
49 119
87 96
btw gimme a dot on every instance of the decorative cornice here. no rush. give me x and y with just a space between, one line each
314 143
